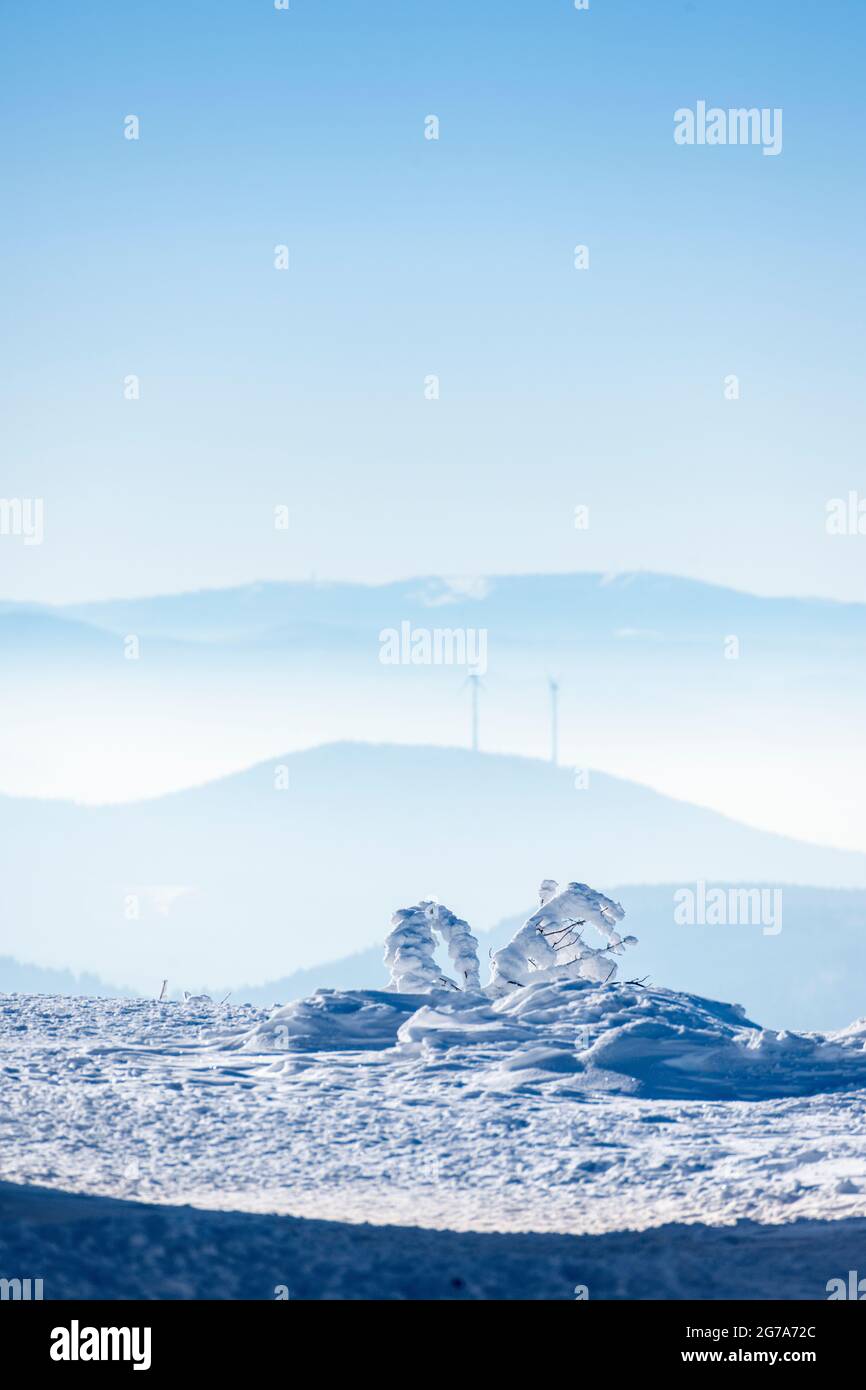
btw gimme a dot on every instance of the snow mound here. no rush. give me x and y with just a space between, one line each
652 1043
334 1020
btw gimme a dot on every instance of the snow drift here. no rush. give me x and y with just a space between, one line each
640 1041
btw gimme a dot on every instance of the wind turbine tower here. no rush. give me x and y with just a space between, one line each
554 720
475 683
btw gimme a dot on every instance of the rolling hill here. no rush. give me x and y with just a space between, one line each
750 705
245 880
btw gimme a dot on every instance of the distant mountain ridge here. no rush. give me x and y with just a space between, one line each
17 977
751 705
528 605
533 606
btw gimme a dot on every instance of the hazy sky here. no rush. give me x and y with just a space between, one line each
411 257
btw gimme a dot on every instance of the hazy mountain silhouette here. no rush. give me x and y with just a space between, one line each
750 704
240 881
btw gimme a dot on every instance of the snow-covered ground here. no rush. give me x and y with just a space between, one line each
566 1107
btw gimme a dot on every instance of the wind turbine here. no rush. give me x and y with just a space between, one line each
476 684
554 719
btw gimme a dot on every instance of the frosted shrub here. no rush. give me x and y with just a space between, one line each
550 944
462 948
411 943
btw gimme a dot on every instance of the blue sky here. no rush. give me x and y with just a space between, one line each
411 257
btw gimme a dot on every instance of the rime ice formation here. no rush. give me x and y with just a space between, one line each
411 943
551 940
549 945
409 949
462 948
